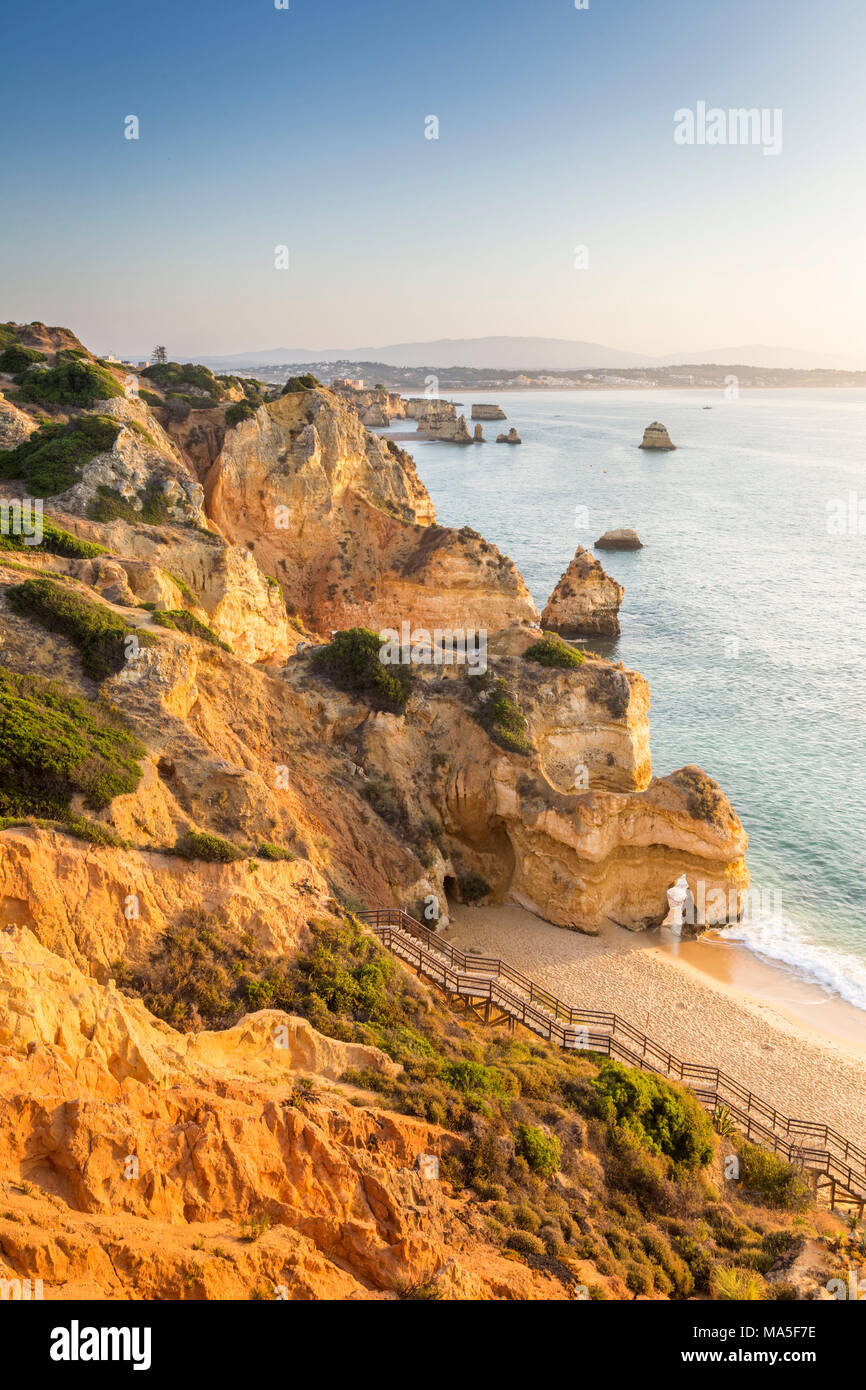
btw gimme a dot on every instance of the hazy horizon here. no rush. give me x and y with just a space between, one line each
306 129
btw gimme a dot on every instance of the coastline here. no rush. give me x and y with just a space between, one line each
710 1002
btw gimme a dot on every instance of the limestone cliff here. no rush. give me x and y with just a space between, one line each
342 520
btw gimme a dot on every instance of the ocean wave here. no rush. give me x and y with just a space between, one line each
781 941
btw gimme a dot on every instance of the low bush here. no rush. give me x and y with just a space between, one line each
53 458
99 634
54 744
351 662
15 358
654 1115
55 541
110 505
498 713
307 382
70 382
472 888
197 844
241 410
268 851
541 1151
553 651
772 1179
183 621
525 1243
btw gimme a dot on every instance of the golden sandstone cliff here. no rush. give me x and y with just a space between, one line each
212 559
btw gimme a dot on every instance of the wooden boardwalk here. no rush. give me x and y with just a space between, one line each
494 992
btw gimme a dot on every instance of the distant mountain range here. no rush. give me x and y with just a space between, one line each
535 354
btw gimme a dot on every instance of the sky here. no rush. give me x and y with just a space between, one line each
305 128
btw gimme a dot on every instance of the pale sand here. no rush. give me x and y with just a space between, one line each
706 1002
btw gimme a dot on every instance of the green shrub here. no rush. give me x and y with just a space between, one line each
53 458
55 541
99 634
151 398
185 590
307 382
178 375
184 621
525 1243
472 888
731 1284
498 713
651 1113
470 1077
110 505
268 851
54 744
197 844
553 651
702 794
71 382
15 358
777 1182
351 662
542 1151
241 410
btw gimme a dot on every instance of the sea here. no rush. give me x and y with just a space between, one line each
745 610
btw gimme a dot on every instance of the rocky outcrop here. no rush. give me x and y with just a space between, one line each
621 539
375 407
585 602
15 426
488 412
132 1155
342 520
142 463
478 435
655 436
512 437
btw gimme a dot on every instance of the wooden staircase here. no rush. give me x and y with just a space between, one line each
493 991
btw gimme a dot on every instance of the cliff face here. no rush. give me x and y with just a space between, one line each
145 1150
585 602
342 520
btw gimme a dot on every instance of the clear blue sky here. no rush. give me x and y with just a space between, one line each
305 127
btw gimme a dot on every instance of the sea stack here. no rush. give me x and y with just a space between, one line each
488 412
621 539
655 436
512 437
478 435
585 602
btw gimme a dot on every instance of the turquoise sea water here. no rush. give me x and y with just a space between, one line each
744 613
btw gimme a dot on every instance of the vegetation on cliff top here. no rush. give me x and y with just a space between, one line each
101 635
71 382
54 744
351 662
111 505
187 622
551 650
55 541
53 458
497 711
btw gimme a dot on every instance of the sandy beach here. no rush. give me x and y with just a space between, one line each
708 1001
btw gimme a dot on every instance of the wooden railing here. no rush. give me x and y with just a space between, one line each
488 979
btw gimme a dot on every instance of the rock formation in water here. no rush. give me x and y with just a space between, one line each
512 437
478 435
621 539
488 412
585 602
655 436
